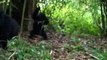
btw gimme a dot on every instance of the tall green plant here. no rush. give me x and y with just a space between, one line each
73 15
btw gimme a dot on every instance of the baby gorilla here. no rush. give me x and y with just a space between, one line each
40 20
8 29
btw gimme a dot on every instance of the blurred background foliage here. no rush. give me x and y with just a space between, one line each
70 17
73 16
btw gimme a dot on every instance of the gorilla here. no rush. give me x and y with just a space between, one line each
40 20
8 29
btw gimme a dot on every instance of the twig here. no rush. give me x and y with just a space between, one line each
22 20
12 55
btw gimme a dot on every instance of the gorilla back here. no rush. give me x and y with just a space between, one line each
8 28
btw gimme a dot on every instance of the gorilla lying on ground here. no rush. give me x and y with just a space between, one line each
40 20
8 29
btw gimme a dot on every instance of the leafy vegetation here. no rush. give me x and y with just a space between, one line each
74 17
76 25
24 50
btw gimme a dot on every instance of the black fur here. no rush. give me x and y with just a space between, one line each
8 28
40 20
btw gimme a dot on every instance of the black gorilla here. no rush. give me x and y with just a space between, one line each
40 20
8 29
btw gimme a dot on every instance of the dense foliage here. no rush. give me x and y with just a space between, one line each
74 16
71 17
24 50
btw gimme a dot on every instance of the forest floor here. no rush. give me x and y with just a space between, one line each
73 47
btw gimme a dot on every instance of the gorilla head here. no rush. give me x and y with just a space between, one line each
42 17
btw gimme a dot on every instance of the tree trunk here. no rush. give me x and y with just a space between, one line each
103 17
16 13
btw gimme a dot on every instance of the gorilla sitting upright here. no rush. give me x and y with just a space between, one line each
40 20
8 28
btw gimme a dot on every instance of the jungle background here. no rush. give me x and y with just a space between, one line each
77 30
